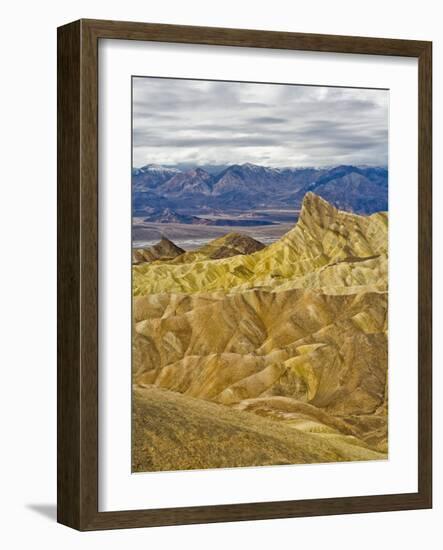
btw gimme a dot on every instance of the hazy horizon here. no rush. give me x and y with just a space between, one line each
213 169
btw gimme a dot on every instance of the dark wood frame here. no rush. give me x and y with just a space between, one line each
77 456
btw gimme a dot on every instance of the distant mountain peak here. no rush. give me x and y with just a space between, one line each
168 215
199 170
158 168
193 181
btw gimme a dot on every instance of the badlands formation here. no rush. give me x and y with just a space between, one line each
274 355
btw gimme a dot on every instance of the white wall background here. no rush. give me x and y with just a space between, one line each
28 270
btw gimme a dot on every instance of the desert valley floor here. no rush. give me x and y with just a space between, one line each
246 355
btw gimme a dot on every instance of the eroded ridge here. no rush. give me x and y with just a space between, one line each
291 336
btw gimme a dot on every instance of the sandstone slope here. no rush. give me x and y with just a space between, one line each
175 432
327 248
295 333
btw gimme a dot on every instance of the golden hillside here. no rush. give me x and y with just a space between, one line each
175 432
326 248
294 334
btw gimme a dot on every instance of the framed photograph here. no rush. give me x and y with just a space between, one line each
244 274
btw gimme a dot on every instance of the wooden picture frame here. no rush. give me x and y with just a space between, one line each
78 274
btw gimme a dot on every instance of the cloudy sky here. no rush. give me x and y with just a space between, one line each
191 122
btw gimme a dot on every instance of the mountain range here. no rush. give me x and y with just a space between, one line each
246 187
167 215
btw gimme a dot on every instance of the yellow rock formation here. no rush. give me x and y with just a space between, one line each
293 335
327 248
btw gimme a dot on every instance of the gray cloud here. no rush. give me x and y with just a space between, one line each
266 120
205 122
